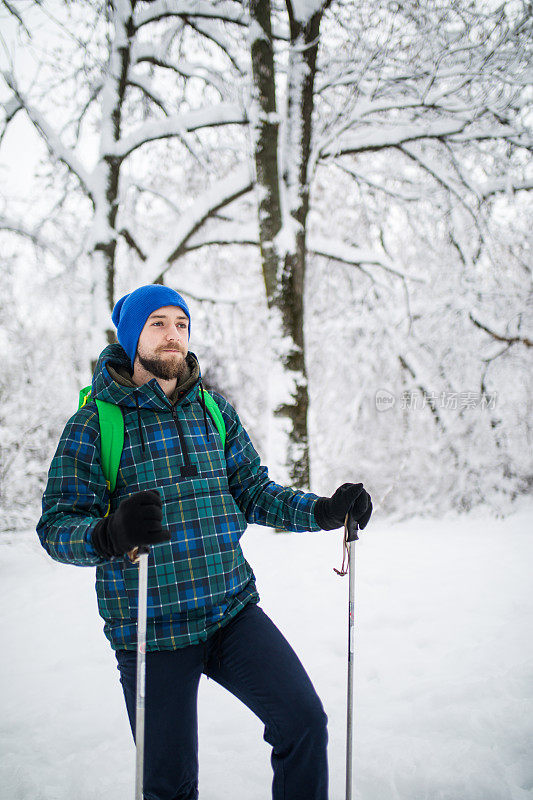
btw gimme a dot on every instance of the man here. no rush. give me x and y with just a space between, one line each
188 498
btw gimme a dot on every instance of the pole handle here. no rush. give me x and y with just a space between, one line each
135 554
351 526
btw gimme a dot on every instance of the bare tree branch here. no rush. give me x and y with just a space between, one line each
148 90
13 11
34 235
230 301
149 53
403 359
211 32
124 232
500 337
433 168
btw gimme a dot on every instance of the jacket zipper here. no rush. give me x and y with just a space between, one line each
189 470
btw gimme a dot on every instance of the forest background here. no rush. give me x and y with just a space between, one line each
340 190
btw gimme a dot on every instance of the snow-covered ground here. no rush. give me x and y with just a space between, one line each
444 667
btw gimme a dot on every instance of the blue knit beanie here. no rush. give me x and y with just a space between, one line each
131 312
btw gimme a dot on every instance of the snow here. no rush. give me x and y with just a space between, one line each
444 666
305 9
286 238
256 32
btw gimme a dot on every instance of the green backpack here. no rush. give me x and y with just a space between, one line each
112 431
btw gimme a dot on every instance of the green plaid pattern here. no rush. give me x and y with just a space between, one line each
200 579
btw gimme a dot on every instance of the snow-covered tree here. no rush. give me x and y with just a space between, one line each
353 122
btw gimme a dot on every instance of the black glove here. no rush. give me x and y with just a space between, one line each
330 512
136 522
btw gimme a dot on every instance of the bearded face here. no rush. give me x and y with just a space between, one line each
163 344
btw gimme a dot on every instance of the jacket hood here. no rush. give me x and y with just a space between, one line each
112 382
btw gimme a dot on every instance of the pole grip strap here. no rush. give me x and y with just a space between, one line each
351 527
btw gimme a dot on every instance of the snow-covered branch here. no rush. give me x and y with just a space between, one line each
178 125
215 300
224 192
404 196
51 138
481 134
14 13
433 167
228 233
234 233
154 53
212 31
356 256
159 9
379 138
148 89
507 185
11 107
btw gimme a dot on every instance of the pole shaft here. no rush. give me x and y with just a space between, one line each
141 667
351 632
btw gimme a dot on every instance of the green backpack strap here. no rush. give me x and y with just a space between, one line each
111 433
85 396
218 419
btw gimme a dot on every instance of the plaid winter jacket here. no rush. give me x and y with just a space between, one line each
200 579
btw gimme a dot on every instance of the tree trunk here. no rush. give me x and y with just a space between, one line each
104 240
283 203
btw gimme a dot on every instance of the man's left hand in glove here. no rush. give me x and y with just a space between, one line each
330 512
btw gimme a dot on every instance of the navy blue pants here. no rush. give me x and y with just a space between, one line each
251 659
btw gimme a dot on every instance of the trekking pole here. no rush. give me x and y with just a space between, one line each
350 537
140 556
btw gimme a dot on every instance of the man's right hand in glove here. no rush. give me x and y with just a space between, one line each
136 522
